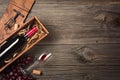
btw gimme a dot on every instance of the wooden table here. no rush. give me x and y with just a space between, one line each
84 39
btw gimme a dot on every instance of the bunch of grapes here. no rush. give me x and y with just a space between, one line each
13 72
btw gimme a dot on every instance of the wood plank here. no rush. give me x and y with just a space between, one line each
66 62
102 54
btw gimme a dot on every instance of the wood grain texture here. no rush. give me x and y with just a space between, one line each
67 62
76 22
84 36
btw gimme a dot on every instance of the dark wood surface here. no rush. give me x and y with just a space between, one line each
84 39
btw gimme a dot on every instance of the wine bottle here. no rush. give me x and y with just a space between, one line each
14 44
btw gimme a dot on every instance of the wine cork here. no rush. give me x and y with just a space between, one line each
37 72
16 26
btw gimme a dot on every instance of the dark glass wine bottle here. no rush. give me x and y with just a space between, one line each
14 44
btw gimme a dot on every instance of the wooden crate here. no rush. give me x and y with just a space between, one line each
41 33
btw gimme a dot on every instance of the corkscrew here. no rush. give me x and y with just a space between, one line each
12 20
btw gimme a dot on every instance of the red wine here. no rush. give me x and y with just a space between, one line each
14 44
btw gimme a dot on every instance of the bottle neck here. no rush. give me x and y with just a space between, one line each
31 32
